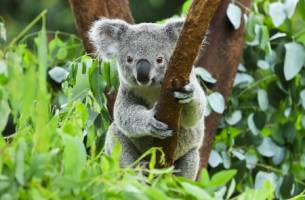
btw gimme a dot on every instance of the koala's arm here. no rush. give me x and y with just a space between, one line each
135 119
193 112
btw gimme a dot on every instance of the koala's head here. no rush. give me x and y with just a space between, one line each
143 50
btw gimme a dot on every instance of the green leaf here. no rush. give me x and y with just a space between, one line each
195 191
214 159
290 6
217 102
251 124
287 186
130 192
74 157
204 75
277 13
231 189
294 60
222 177
4 113
259 119
186 6
263 64
2 33
62 53
261 177
289 132
20 162
251 160
234 14
262 98
58 74
269 149
97 85
204 177
302 98
234 117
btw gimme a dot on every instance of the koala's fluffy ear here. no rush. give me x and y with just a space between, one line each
173 28
105 35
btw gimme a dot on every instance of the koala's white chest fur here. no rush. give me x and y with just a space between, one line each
149 95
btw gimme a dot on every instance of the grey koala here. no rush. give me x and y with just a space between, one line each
143 52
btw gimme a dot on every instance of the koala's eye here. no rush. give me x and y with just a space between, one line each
159 60
129 59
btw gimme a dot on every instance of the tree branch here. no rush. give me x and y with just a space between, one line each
179 69
87 11
221 58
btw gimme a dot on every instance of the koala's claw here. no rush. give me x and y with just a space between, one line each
185 95
160 130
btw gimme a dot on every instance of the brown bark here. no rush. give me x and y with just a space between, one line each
179 69
221 58
87 11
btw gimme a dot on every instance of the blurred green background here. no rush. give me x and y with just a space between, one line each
18 13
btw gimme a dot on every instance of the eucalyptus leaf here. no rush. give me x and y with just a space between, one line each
294 59
262 176
234 14
262 98
234 118
2 33
204 75
269 149
263 64
277 13
215 159
231 189
251 160
58 74
277 36
217 102
251 124
238 153
302 98
243 78
290 6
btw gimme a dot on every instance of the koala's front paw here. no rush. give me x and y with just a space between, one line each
186 94
159 129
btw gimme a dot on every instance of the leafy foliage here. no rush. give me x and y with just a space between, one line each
53 97
262 131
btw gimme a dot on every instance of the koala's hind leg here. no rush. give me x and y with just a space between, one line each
188 164
129 152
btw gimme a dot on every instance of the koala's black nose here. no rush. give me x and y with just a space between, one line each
143 68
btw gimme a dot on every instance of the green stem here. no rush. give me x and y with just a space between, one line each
255 84
27 28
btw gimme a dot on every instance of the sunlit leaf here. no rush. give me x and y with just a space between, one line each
214 159
277 13
204 75
294 60
58 74
234 14
217 102
222 177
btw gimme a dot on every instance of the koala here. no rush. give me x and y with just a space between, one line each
143 52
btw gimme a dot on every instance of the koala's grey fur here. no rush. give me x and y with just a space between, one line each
134 123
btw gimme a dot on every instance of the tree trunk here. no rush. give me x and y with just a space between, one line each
87 11
221 58
179 69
